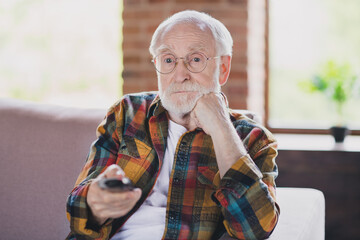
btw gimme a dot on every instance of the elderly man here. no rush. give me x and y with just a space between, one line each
199 168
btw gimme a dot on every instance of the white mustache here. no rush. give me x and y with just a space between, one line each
188 87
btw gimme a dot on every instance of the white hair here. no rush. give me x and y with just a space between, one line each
221 34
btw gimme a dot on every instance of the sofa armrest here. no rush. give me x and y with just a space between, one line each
302 215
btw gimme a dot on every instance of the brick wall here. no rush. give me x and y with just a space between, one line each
141 17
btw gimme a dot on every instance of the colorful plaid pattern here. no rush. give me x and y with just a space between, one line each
200 204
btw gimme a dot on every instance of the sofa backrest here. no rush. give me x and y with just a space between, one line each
42 150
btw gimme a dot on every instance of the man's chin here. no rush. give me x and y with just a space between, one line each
185 93
185 98
179 108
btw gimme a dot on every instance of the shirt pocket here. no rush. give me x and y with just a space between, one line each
133 158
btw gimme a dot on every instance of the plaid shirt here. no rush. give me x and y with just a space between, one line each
200 205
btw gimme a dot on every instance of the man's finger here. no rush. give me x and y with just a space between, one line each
136 194
133 195
222 96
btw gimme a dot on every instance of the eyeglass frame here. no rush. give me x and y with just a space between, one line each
185 62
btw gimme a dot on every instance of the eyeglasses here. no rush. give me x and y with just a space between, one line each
195 62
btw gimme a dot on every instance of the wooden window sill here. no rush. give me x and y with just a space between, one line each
312 142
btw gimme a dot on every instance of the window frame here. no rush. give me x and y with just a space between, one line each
267 92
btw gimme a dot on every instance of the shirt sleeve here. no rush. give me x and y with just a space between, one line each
103 153
246 192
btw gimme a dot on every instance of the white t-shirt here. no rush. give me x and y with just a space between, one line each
148 222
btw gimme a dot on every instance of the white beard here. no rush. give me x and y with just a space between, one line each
185 103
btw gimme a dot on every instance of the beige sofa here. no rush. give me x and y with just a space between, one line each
42 150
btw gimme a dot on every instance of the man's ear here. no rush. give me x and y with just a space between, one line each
225 65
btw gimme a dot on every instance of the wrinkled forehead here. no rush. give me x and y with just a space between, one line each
196 47
188 36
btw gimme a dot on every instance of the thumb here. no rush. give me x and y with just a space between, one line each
114 171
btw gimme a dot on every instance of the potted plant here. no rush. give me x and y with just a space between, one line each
339 84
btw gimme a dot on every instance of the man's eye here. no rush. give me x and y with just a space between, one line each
168 60
196 59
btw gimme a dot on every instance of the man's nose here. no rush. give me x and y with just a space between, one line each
181 71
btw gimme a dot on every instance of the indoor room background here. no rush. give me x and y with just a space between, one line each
88 53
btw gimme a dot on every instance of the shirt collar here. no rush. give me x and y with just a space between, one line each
156 108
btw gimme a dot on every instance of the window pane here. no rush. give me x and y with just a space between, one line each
304 35
64 52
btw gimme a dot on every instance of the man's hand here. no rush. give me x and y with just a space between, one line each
210 113
105 204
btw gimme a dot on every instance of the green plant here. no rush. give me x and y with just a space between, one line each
337 82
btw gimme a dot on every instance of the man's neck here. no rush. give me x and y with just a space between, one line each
184 120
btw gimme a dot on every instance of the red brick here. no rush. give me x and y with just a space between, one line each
136 43
132 85
139 74
131 59
241 2
238 29
130 29
134 89
238 67
131 2
238 74
238 104
148 74
196 1
158 1
240 47
238 14
238 58
236 101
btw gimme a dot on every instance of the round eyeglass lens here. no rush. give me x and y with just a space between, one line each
196 62
166 63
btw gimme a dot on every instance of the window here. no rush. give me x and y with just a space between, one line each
63 52
303 36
